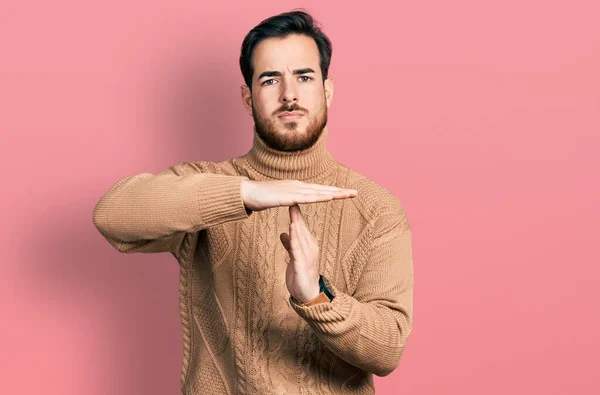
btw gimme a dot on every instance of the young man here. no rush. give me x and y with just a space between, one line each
296 271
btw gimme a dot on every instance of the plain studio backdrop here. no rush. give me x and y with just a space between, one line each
481 116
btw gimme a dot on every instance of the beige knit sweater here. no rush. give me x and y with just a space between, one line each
242 332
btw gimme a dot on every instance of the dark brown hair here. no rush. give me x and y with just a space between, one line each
283 25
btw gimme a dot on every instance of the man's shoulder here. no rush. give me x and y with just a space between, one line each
373 199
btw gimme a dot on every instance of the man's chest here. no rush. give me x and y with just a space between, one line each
245 261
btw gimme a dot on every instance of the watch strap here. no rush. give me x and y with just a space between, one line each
323 297
320 298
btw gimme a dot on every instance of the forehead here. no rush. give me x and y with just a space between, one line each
286 54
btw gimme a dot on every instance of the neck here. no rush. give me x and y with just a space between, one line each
298 165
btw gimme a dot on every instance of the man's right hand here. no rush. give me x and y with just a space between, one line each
260 195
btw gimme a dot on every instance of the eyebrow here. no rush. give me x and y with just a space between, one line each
305 70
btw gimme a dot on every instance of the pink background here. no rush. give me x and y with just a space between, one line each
481 116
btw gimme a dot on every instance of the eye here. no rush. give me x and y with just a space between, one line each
266 82
308 78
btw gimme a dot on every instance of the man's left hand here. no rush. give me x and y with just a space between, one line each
302 274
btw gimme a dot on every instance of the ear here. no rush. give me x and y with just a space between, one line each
246 98
328 85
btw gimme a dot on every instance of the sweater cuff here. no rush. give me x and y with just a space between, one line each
220 199
324 317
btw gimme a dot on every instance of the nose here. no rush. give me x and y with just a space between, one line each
288 94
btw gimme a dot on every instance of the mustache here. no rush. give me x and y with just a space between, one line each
293 107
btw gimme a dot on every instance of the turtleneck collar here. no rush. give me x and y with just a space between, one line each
300 165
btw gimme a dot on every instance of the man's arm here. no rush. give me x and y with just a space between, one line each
152 213
370 329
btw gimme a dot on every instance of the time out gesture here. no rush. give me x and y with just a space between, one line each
302 274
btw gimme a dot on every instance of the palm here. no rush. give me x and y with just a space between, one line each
302 272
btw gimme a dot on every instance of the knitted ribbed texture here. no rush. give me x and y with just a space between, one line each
242 331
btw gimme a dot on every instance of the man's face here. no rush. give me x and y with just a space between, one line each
289 100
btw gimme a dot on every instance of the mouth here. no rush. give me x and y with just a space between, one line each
290 115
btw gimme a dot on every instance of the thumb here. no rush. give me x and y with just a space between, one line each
285 240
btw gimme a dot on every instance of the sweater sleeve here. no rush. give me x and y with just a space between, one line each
370 328
152 213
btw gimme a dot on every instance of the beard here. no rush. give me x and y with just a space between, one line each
291 139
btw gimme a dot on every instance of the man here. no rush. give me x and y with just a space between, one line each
296 271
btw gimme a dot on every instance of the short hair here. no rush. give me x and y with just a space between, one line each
283 25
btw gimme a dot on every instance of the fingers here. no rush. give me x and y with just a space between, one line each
261 195
290 192
307 241
313 196
295 249
319 189
301 231
322 187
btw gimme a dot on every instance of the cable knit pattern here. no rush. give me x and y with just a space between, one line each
242 331
260 315
184 305
241 292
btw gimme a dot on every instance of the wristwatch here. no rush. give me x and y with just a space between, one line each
324 296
